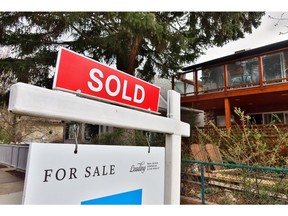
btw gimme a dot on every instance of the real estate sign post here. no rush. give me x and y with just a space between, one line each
35 101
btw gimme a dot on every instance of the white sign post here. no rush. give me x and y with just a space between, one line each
36 101
173 153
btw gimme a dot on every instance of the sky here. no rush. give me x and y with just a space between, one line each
265 34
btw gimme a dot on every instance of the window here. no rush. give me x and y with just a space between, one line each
256 119
274 118
269 118
69 132
273 67
90 131
243 72
285 56
86 131
212 78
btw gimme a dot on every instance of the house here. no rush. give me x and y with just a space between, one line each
165 85
254 80
88 132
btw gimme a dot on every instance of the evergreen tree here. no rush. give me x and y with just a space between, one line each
138 43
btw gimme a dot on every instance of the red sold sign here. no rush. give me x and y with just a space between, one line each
79 74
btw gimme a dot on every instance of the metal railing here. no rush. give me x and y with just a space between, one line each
14 155
234 183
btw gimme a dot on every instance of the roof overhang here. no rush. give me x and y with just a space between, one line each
238 55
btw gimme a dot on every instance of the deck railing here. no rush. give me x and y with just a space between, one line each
187 87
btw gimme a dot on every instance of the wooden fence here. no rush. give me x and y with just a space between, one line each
268 130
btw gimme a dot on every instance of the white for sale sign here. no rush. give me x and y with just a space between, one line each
97 174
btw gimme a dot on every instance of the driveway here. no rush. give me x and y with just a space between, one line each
11 185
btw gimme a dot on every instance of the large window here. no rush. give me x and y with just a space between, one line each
285 55
212 79
273 67
241 73
269 118
274 118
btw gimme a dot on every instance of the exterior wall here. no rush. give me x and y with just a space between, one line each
34 129
25 129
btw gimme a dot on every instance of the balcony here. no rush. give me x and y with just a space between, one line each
247 81
254 80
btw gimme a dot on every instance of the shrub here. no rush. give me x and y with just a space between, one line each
263 149
250 144
120 136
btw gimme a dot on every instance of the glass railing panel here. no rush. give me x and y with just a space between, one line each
243 74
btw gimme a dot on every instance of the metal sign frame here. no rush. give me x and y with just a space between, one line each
31 100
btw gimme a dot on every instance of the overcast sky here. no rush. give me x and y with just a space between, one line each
265 34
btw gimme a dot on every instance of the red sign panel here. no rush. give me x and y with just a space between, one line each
79 74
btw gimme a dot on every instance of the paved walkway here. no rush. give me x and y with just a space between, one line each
11 187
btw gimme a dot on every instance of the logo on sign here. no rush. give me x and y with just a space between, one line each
81 75
139 167
142 167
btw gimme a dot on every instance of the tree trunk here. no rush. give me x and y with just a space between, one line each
133 54
127 63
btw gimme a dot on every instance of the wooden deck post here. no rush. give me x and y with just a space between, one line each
227 114
260 69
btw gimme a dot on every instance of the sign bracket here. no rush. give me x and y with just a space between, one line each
148 137
76 129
